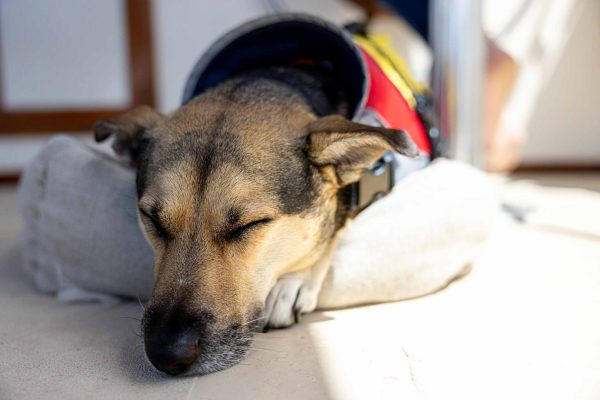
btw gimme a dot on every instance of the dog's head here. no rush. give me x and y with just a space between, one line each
235 189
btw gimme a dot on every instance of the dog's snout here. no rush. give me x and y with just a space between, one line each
172 341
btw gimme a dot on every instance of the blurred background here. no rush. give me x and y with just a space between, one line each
519 79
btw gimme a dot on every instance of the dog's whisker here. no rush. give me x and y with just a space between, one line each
263 349
133 318
252 321
257 319
263 335
140 303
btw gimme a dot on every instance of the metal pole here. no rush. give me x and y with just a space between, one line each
458 75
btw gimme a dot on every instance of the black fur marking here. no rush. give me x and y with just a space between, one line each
233 216
343 206
296 181
206 163
142 161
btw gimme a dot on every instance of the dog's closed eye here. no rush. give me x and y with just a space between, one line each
237 233
158 227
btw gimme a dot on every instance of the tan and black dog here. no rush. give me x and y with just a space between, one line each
241 194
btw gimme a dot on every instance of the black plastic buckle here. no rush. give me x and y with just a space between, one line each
376 182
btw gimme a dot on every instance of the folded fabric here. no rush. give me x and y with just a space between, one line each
80 236
81 239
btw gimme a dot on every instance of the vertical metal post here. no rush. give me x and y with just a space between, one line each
458 75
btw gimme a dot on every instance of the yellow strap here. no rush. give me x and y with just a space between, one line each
378 47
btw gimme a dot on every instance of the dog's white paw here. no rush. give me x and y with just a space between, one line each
289 298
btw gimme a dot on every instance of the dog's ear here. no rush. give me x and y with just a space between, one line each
351 147
129 130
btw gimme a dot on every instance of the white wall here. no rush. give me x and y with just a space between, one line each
565 124
63 54
564 127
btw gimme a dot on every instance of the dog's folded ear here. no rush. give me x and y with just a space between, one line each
351 147
129 130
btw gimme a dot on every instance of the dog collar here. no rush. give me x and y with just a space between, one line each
393 100
377 85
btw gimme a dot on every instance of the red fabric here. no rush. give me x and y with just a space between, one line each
388 102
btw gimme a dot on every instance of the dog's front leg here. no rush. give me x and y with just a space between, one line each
297 293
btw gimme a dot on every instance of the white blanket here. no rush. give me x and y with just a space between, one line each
81 239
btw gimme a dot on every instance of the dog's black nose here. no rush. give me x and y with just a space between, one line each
172 341
173 354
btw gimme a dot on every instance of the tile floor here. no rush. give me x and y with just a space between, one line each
524 324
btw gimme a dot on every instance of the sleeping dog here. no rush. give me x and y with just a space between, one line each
241 195
243 191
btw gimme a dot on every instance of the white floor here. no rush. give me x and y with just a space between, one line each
525 324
